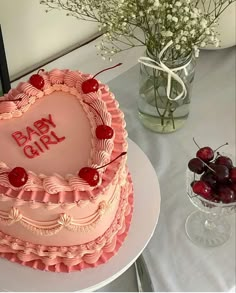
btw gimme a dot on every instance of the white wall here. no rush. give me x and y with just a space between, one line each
31 35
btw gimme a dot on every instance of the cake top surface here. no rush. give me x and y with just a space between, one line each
54 136
51 133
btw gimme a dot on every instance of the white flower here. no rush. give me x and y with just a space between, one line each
203 23
186 18
169 34
196 51
203 44
166 33
178 4
177 47
169 17
186 9
156 4
217 43
175 19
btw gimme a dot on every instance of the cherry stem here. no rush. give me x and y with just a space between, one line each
95 111
196 143
40 70
107 69
207 166
221 146
120 155
217 156
16 100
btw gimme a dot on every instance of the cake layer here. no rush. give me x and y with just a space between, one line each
73 258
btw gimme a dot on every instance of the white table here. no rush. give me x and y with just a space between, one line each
174 262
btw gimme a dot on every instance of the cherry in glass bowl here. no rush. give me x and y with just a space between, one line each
208 226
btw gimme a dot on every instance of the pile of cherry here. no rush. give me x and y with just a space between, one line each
217 174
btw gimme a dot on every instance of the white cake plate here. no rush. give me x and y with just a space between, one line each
14 277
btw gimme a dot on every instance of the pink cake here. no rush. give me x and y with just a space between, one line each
66 195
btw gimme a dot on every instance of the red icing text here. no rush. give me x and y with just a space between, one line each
38 138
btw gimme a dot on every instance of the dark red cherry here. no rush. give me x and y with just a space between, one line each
206 154
209 178
232 174
197 166
223 160
18 177
104 132
202 188
90 85
221 172
37 81
226 194
90 175
233 186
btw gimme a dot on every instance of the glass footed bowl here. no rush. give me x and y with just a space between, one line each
207 226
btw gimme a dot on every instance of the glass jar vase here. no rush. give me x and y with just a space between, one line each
165 93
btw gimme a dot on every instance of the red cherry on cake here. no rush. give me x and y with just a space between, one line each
223 160
91 175
91 85
206 154
202 188
37 80
103 131
18 177
232 174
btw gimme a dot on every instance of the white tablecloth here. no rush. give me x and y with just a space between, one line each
174 262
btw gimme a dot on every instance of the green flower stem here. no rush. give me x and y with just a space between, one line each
155 96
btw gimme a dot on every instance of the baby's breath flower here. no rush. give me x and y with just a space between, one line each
158 21
178 4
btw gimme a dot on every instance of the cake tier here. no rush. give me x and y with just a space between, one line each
78 257
57 220
49 225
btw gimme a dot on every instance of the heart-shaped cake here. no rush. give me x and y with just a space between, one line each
65 190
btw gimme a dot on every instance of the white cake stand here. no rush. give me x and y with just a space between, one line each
14 277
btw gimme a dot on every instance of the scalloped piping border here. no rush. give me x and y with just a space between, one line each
108 250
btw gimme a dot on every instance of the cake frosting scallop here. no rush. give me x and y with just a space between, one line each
66 195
